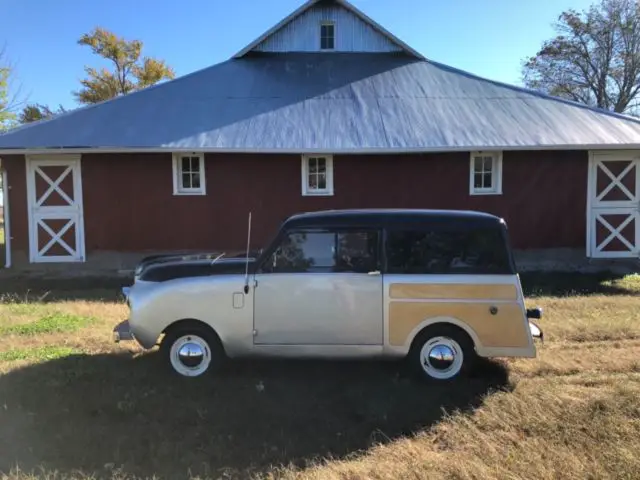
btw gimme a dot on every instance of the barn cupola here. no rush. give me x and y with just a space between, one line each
327 26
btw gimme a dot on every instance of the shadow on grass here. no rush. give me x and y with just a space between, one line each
97 413
565 284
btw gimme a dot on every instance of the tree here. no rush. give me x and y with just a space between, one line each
34 112
594 59
7 115
131 71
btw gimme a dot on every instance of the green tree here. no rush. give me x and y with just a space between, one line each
7 115
34 112
131 71
594 58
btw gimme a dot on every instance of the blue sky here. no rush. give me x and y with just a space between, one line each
487 37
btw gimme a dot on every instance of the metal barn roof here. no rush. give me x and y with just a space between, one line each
329 103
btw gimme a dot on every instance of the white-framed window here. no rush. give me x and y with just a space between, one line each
188 174
485 173
317 175
327 36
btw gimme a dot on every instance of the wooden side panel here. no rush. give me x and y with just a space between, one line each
453 291
505 329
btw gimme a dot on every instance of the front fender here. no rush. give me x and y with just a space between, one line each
155 306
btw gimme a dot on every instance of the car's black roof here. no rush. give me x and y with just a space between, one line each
392 217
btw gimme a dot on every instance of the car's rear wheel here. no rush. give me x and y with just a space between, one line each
442 353
192 350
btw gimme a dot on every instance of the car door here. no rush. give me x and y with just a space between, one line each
320 287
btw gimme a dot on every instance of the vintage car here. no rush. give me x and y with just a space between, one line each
439 288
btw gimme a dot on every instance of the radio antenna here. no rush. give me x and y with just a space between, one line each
246 265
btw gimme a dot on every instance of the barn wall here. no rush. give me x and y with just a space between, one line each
129 203
17 186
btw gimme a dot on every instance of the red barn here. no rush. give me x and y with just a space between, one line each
325 110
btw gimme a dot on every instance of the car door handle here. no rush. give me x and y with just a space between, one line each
375 272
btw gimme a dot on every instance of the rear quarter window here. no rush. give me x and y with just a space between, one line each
476 251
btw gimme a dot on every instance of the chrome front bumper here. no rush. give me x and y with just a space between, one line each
536 331
122 332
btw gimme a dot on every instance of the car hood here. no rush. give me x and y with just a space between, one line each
160 268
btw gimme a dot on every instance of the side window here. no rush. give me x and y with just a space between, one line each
317 175
321 252
486 173
447 252
188 174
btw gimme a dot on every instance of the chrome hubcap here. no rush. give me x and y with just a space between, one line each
441 357
191 355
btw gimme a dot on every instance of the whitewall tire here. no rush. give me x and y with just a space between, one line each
190 356
192 352
441 358
442 353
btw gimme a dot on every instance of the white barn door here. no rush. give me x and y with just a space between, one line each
56 227
614 205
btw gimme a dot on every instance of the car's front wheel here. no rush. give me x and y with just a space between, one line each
192 350
442 353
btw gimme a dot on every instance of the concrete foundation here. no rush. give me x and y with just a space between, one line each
122 264
102 263
571 260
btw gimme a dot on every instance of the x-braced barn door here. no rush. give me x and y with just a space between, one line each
56 227
614 217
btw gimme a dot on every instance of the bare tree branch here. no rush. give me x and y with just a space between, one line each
594 58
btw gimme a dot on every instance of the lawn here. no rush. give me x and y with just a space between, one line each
74 405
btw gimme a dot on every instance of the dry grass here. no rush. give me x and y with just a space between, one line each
40 354
2 246
555 429
50 323
73 405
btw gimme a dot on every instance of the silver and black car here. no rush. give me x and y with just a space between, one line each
438 287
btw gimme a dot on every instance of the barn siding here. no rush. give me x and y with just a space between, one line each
129 204
19 217
303 33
